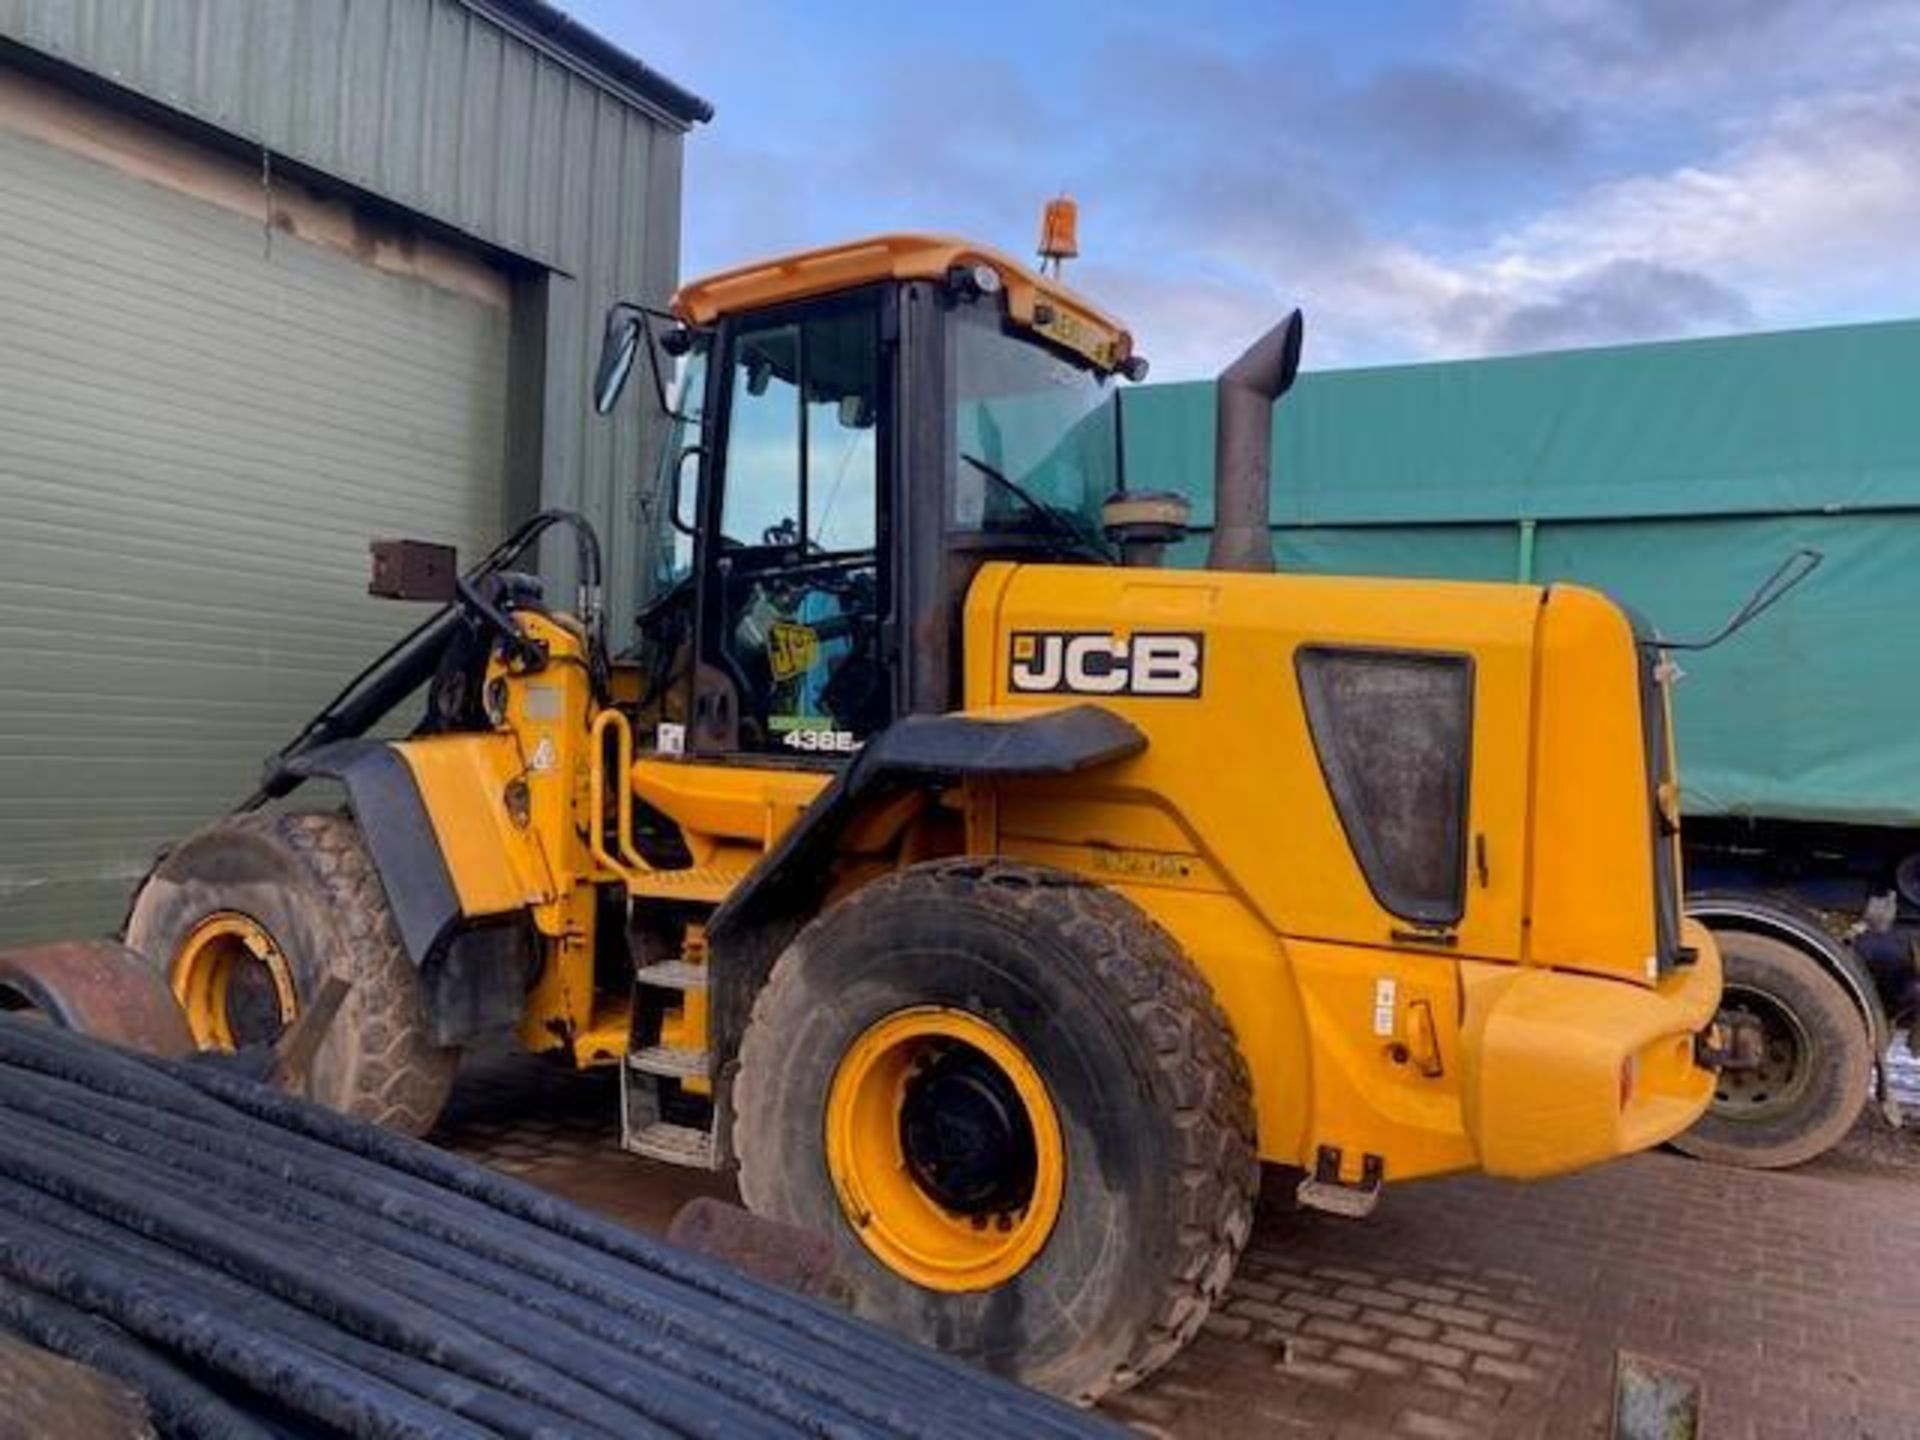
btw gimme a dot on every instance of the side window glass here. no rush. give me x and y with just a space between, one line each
1393 731
797 579
670 508
761 500
842 411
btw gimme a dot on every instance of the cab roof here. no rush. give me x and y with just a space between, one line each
1034 302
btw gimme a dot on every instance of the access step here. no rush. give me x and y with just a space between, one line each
673 975
675 1144
669 1061
1325 1190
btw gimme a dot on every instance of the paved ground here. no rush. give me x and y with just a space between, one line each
1462 1307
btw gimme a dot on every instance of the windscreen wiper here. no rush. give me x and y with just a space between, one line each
1058 523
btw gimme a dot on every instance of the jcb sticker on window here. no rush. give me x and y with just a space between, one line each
791 649
1099 662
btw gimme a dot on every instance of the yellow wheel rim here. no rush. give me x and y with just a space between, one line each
233 982
944 1149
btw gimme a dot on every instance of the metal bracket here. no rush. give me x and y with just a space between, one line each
293 1052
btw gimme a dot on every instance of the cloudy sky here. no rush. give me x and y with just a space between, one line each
1428 180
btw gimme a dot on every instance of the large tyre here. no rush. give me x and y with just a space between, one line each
1019 1111
247 919
1810 1088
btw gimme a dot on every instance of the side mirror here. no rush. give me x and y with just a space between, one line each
617 350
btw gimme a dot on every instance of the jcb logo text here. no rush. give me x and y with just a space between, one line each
1098 662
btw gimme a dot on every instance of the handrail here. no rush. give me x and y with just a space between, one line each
629 863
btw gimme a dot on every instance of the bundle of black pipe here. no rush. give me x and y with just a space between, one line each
256 1266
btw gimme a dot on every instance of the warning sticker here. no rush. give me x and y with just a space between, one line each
1385 998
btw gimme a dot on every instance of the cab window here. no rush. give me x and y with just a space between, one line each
762 494
796 559
1035 448
668 506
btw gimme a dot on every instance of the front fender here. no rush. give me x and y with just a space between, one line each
392 816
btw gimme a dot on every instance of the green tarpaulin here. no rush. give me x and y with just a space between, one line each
1674 476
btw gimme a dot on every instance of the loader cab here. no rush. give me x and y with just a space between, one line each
853 434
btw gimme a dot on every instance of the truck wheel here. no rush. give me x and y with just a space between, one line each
252 914
1812 1081
1019 1112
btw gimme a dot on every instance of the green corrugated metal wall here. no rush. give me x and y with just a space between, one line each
1674 476
437 105
453 110
198 435
197 438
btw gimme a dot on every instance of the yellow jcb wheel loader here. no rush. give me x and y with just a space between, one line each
997 899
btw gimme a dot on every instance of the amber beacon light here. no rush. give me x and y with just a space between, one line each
1059 234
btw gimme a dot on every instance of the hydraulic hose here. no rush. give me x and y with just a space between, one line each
405 665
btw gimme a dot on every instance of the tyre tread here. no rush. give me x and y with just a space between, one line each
397 1076
403 1077
1762 961
1217 1177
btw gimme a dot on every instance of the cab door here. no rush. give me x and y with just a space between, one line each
795 585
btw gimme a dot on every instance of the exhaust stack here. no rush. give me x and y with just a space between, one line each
1243 447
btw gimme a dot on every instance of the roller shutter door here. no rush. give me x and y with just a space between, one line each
202 422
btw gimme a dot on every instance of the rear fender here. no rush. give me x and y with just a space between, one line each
785 890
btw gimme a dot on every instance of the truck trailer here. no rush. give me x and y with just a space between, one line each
1679 477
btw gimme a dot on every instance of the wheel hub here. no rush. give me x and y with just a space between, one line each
966 1137
944 1149
233 982
1774 1064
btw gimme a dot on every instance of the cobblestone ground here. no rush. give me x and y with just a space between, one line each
1463 1307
